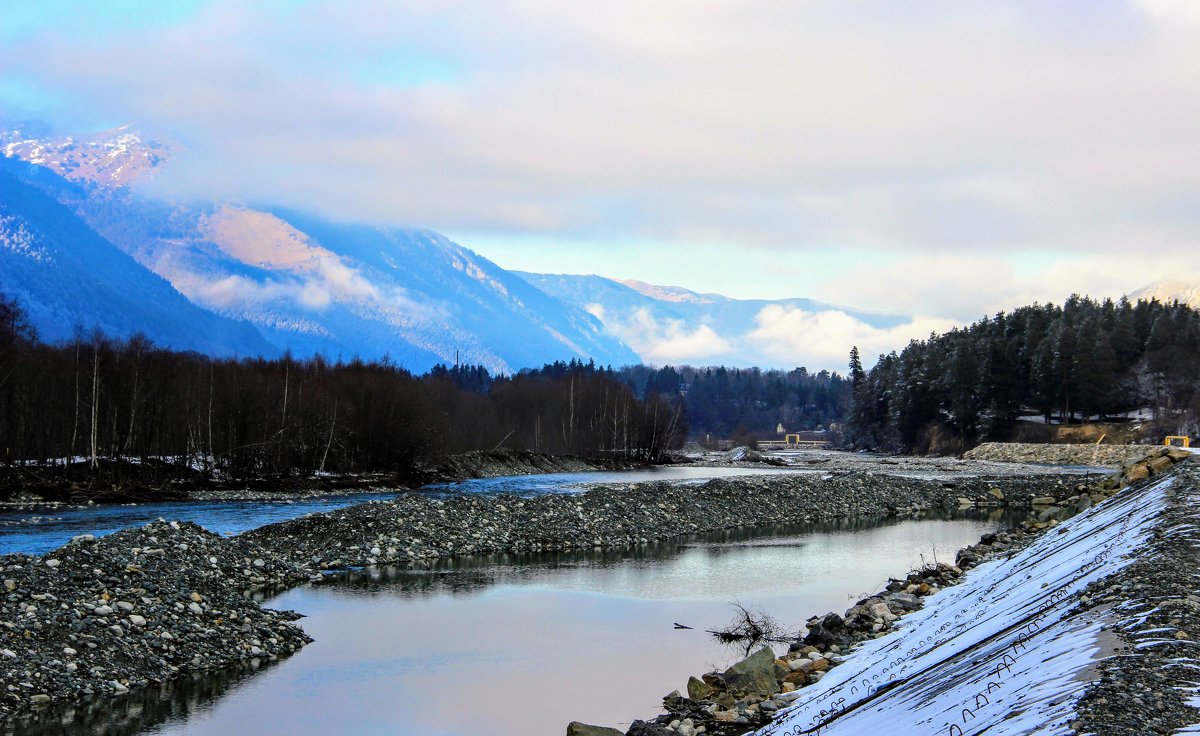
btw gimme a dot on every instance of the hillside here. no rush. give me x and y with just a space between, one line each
68 277
1171 290
306 285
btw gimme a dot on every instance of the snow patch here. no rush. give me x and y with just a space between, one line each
1000 654
16 237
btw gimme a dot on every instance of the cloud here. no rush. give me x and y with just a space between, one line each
985 153
786 334
661 341
780 337
774 124
967 286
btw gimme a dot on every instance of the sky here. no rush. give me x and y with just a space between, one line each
936 159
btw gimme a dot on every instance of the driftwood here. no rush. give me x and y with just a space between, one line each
750 628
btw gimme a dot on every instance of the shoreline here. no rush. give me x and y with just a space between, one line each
281 556
765 692
450 469
179 594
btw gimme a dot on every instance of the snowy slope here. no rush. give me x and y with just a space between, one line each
67 276
1185 292
307 285
111 158
494 316
1002 653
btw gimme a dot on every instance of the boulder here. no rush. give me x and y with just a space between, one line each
799 678
1137 471
754 674
575 728
1161 464
699 689
907 601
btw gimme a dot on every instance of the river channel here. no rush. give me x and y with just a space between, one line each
521 645
39 528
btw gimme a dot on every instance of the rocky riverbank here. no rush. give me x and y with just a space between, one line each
1150 683
748 695
413 530
137 481
1150 603
100 617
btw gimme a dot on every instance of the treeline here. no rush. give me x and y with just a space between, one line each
747 403
97 397
1084 360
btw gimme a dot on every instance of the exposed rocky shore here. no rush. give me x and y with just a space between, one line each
102 616
144 481
413 530
747 695
1144 688
99 617
1150 683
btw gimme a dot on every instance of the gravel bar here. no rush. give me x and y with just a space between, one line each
415 530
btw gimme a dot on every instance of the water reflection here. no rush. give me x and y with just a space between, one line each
521 644
134 712
468 574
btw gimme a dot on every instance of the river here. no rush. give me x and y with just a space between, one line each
40 528
510 645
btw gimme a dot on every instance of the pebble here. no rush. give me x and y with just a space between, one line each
67 620
608 516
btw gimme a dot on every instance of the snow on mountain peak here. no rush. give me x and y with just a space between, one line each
111 158
1169 290
676 294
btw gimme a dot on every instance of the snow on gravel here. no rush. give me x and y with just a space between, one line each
999 653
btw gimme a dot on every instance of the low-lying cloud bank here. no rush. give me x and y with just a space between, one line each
780 336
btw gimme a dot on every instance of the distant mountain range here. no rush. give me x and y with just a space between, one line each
80 249
69 278
1184 292
671 324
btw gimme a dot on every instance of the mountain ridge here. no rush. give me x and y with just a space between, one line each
304 284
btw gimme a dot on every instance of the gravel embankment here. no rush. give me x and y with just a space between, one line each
1029 452
103 616
414 530
1146 686
747 695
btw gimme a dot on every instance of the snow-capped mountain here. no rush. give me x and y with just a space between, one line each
305 284
68 277
1170 290
112 158
672 324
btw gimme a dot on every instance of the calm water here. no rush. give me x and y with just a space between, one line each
513 646
35 530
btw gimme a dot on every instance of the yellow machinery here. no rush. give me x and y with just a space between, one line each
1171 440
791 440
